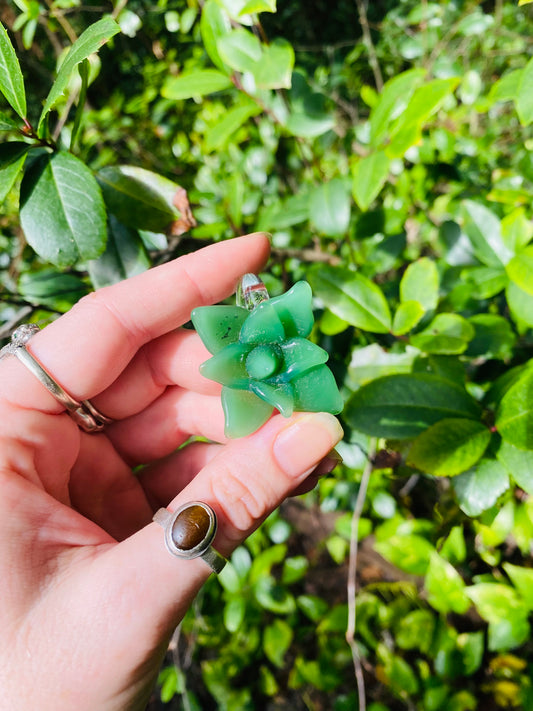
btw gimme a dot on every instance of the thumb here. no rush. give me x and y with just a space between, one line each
243 484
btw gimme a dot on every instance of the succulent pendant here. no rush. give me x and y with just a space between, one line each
262 358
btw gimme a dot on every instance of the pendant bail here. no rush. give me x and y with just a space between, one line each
251 292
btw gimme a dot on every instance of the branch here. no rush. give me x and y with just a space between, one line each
351 587
372 56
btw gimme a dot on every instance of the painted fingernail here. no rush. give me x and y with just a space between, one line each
301 445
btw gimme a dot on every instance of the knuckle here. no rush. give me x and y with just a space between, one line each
242 502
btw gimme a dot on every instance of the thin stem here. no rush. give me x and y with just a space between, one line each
372 56
351 587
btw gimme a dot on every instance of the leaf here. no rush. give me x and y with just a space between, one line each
217 136
494 337
407 315
514 416
9 175
329 208
506 613
369 176
277 639
449 447
256 6
274 69
479 488
234 612
408 552
444 586
506 88
124 256
139 198
61 210
518 463
240 49
89 41
426 100
191 84
401 406
11 152
524 95
352 297
392 100
11 79
522 580
517 230
51 288
520 304
420 283
520 270
447 334
214 24
483 229
7 123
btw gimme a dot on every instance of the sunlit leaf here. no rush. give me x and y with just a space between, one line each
11 79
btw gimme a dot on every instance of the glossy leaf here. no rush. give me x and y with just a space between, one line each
124 256
198 83
447 334
520 270
51 288
7 123
520 304
255 6
407 315
514 416
329 208
214 24
480 488
518 463
493 338
352 297
274 70
524 95
504 610
61 210
522 579
483 229
408 552
9 175
425 101
444 586
392 100
449 447
241 50
139 198
217 136
11 79
517 230
402 406
420 282
89 41
369 176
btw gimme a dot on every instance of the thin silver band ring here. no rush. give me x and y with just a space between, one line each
84 413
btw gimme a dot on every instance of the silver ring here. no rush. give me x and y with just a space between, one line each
84 413
189 532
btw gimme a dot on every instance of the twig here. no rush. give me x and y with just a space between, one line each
18 318
121 4
351 587
372 56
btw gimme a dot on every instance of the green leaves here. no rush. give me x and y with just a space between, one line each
484 232
369 176
514 416
90 41
199 83
11 80
352 297
329 208
449 447
402 406
61 210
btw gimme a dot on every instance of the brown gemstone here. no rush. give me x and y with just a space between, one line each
190 527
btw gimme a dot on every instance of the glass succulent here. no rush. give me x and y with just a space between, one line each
264 361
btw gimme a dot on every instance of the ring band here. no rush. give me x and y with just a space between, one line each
83 413
189 532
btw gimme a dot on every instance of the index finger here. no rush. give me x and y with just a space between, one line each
87 348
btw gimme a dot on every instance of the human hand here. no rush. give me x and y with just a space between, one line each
90 595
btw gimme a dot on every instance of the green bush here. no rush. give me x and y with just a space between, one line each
390 157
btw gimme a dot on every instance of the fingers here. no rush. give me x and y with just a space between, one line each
87 348
243 483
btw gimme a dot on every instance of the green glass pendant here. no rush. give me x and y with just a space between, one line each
262 358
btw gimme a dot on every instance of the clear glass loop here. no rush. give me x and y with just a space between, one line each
251 292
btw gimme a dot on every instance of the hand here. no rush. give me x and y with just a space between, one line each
90 595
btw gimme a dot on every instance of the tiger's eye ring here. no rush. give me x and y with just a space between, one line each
189 532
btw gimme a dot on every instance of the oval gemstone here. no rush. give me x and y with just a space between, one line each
263 362
191 527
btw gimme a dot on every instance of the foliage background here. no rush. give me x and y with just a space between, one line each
388 150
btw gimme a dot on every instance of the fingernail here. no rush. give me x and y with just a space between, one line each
301 445
328 464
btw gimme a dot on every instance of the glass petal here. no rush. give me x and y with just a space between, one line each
218 326
262 325
227 366
300 355
244 412
317 391
294 310
279 396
